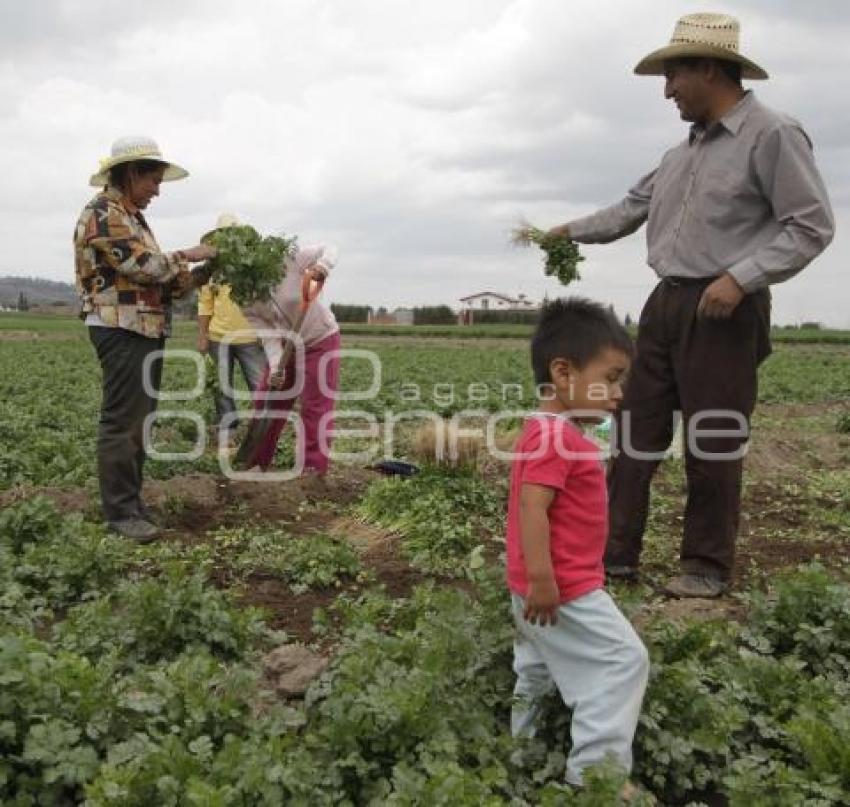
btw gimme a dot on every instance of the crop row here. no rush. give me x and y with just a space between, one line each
50 394
127 680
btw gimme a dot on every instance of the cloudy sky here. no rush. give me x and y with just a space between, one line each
411 134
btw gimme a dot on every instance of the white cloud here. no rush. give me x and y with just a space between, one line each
412 134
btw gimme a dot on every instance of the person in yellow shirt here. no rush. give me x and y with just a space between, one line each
228 338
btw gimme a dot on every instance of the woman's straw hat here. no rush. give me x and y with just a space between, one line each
130 149
712 35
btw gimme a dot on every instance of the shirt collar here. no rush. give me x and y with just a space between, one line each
732 121
116 196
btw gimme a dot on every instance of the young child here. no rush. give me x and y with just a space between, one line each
569 632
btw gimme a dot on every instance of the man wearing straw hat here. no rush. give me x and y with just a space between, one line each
737 206
126 284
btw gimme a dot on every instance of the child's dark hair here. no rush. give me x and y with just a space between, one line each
575 329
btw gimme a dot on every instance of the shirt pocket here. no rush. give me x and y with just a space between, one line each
726 194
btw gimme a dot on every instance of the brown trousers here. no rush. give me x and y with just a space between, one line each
693 366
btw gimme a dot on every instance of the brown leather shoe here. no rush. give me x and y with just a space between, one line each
696 585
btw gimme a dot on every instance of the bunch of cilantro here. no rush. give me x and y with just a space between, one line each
250 264
562 255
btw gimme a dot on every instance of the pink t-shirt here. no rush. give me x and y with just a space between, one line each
552 451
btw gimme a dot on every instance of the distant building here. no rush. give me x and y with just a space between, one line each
493 301
403 316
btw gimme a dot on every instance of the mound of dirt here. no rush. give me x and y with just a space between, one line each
280 501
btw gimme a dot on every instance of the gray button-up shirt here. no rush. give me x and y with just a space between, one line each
741 196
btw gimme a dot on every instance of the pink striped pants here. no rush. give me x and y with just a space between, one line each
316 403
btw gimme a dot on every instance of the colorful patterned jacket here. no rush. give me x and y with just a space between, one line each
122 276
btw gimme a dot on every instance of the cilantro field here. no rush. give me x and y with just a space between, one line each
164 675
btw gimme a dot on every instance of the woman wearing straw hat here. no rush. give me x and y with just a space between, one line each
737 206
229 339
126 284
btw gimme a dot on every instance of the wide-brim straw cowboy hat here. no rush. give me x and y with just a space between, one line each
715 36
131 149
224 221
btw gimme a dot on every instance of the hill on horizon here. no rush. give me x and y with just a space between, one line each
38 291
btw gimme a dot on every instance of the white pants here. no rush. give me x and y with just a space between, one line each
600 667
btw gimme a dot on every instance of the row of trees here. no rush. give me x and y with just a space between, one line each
434 315
351 313
422 315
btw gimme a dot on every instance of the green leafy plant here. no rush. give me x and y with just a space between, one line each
152 620
250 264
806 615
439 516
309 562
755 713
49 561
562 254
54 707
29 522
82 562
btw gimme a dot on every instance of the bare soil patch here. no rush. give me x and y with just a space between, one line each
793 447
700 610
765 555
66 500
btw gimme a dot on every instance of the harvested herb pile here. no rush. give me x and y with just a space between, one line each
250 264
562 255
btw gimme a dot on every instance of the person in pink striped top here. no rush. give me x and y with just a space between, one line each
315 369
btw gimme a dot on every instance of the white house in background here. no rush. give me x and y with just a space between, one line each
493 301
403 316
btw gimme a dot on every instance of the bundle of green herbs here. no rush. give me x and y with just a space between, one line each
250 264
562 255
